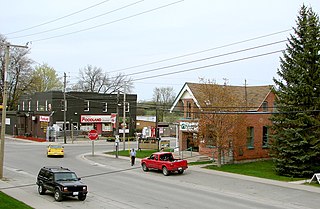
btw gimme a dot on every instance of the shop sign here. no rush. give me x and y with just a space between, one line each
96 119
44 118
189 126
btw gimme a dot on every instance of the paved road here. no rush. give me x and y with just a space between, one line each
113 183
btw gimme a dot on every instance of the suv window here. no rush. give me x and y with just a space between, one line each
65 177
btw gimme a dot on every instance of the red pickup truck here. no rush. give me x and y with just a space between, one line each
164 161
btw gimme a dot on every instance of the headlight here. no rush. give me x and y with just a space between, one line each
65 189
84 188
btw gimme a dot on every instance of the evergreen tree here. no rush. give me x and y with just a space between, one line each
296 147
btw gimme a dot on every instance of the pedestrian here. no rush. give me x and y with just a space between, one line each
132 156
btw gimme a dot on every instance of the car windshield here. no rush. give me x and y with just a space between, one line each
56 146
65 176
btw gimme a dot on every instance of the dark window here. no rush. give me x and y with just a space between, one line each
250 137
188 109
86 106
105 107
265 138
265 106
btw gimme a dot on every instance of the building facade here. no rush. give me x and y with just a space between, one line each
192 100
82 111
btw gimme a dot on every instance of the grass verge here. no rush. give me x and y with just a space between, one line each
262 169
7 202
140 153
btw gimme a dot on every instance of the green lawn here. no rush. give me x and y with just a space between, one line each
140 154
7 202
262 169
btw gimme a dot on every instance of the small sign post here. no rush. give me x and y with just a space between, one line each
93 135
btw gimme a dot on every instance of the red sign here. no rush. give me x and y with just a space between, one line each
93 134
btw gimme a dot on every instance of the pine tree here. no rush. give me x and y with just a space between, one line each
296 147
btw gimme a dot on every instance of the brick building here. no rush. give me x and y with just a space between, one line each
192 99
83 111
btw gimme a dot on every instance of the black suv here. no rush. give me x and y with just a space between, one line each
62 182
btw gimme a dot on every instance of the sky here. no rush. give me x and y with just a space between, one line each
156 43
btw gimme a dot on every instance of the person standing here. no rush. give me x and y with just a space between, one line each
133 156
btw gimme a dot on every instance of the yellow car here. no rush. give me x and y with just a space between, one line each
55 150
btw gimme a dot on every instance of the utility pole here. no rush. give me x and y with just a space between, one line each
64 108
4 102
124 118
117 118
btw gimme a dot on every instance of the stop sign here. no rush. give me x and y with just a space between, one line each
93 134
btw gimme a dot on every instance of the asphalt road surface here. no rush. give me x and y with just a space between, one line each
113 183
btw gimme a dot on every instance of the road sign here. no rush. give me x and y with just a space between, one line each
93 134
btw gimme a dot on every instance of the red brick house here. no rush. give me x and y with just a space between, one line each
259 101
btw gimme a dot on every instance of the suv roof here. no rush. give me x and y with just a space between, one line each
56 169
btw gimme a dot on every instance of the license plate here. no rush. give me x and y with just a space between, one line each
75 193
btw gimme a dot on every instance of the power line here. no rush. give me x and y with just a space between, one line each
207 58
202 51
101 25
54 20
75 23
206 66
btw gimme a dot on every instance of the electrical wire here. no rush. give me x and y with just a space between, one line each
108 23
202 51
206 66
207 58
60 18
75 23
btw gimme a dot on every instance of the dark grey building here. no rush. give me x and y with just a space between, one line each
83 111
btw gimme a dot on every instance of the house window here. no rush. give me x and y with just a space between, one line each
250 137
265 138
188 109
29 105
86 106
265 106
104 106
127 106
23 106
63 104
37 105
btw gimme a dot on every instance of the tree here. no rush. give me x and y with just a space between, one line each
163 97
44 78
18 73
296 147
218 128
93 79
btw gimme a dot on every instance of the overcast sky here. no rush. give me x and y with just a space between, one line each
176 41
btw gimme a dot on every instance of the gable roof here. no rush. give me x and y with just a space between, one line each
253 95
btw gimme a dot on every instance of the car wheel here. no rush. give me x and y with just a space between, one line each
165 171
180 171
57 195
82 197
144 167
41 189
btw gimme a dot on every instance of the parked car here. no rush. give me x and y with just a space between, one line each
62 182
165 162
55 150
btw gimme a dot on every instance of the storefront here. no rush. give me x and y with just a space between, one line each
104 124
188 136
